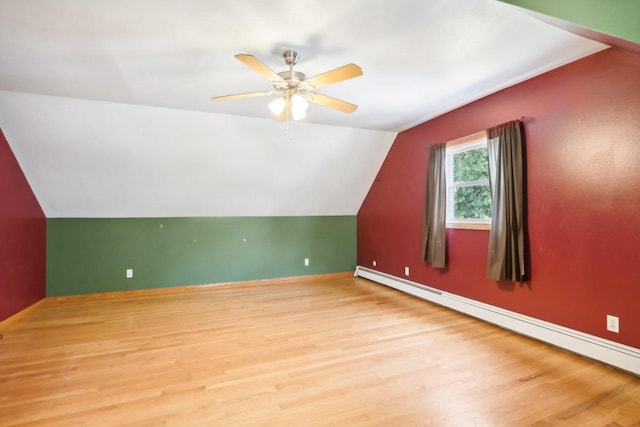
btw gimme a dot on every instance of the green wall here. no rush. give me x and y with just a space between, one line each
92 255
620 18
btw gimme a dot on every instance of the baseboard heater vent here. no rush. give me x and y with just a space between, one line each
615 354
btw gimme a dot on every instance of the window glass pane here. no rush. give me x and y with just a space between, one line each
472 165
472 202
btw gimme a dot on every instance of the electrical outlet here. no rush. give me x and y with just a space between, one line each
613 324
306 262
129 273
406 271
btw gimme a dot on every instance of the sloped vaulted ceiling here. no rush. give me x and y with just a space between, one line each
106 103
102 159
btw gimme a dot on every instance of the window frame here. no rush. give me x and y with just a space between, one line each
467 143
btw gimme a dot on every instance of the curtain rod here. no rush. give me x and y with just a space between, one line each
477 135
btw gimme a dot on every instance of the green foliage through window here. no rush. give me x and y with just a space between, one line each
472 202
470 195
471 165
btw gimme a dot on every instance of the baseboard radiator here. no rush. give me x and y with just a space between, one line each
615 354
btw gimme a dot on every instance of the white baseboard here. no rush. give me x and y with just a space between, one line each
615 354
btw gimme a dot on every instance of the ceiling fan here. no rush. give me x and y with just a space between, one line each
295 89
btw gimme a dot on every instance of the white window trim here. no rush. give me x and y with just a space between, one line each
471 142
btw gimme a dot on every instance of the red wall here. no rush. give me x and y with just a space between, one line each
583 172
22 238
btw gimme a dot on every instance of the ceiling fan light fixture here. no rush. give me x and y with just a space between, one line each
277 105
295 89
299 107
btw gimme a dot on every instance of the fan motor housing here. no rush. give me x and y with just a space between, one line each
292 79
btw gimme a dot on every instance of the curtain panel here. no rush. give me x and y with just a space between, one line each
506 258
434 242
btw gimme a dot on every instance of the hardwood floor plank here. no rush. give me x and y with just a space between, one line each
330 352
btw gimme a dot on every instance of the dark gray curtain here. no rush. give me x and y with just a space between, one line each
506 259
434 243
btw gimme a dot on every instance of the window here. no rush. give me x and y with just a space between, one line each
468 192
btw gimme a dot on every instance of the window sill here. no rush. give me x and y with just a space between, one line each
468 226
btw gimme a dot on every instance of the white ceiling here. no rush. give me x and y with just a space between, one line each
101 159
83 80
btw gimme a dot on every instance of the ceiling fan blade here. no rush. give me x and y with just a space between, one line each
241 95
335 103
285 113
345 72
257 65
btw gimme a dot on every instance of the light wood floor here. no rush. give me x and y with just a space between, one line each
340 352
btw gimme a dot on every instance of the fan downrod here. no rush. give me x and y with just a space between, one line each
292 79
